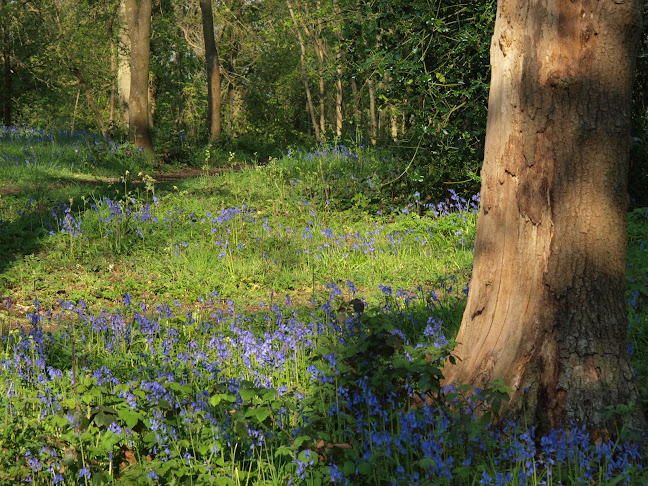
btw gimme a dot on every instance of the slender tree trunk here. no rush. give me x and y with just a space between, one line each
88 95
381 111
7 91
229 115
357 114
546 310
373 122
393 121
213 71
138 15
232 95
338 72
71 63
179 87
74 112
338 102
309 98
113 72
319 47
151 100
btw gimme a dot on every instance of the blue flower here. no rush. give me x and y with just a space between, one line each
485 479
336 474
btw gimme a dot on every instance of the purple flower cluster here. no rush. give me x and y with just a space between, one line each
244 383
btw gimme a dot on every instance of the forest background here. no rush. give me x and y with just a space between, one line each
411 77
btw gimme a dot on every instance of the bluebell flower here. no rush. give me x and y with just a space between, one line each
485 479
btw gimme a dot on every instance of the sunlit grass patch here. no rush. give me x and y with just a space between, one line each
265 325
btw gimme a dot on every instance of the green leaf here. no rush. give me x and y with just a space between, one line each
300 440
130 417
364 469
103 419
247 394
262 414
109 440
284 451
224 481
348 468
269 394
216 399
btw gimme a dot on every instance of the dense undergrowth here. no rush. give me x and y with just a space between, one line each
277 324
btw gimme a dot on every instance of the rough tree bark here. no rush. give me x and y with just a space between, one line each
123 63
213 71
138 17
546 310
110 26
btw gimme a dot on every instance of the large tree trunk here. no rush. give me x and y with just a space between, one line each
138 16
213 71
546 310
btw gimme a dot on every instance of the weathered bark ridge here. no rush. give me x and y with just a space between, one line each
546 310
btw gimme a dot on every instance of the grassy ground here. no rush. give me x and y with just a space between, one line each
198 326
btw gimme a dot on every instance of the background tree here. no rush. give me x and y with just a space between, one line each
6 87
74 32
138 17
213 71
302 47
546 310
416 71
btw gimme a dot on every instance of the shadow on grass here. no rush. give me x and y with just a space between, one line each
26 210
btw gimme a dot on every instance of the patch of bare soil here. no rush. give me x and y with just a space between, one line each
189 173
8 189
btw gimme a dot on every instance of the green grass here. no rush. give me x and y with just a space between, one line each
200 330
282 237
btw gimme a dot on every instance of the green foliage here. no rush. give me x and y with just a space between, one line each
638 179
126 373
427 61
432 60
637 291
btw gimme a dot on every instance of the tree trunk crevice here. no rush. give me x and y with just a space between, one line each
546 310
